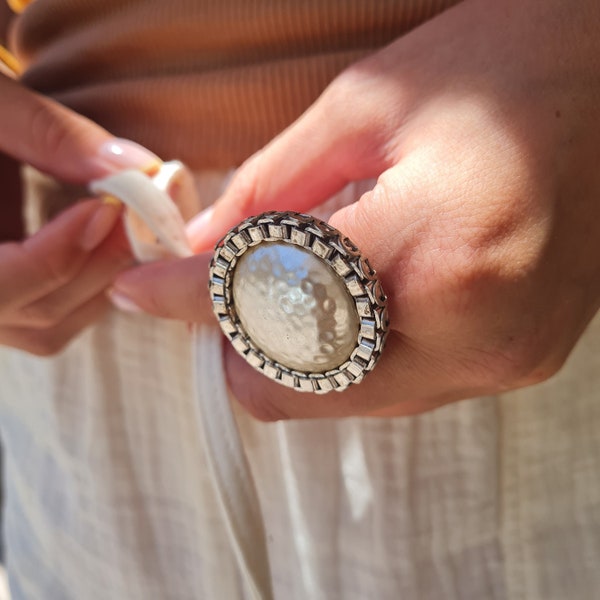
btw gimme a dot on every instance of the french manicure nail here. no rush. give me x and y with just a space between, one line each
100 224
120 154
122 302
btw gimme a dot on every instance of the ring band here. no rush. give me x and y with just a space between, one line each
298 301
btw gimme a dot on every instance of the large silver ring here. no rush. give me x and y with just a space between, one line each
298 301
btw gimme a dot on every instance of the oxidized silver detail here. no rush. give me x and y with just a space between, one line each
353 271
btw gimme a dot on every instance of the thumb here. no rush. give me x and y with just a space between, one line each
327 147
58 141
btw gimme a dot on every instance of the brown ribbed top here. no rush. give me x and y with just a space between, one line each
206 81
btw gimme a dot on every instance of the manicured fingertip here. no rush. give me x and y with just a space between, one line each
122 302
117 154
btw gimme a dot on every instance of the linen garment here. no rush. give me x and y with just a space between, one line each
109 493
108 485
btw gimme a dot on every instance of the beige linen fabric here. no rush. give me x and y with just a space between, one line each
109 496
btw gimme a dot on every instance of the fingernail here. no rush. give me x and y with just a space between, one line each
124 154
101 223
122 302
198 229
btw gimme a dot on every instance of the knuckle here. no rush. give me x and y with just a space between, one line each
338 106
346 108
338 92
48 130
53 268
393 193
389 193
351 83
372 207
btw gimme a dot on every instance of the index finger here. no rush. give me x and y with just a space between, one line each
58 141
52 138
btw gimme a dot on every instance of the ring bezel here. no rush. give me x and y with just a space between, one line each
342 256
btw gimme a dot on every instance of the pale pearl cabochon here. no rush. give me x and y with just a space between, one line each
295 308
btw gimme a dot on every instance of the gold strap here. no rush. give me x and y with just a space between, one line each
18 6
9 64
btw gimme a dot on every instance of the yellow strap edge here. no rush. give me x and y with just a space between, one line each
9 60
18 6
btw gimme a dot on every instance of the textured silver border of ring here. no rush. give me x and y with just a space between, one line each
342 256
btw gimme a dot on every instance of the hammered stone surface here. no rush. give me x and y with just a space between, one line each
295 308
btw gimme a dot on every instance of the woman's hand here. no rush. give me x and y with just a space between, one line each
483 128
52 285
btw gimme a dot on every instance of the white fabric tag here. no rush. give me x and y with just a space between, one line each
153 222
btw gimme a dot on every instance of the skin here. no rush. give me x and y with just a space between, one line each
482 128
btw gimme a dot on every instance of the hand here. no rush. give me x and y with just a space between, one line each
482 127
51 286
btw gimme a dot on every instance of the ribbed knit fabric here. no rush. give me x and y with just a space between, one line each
207 82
